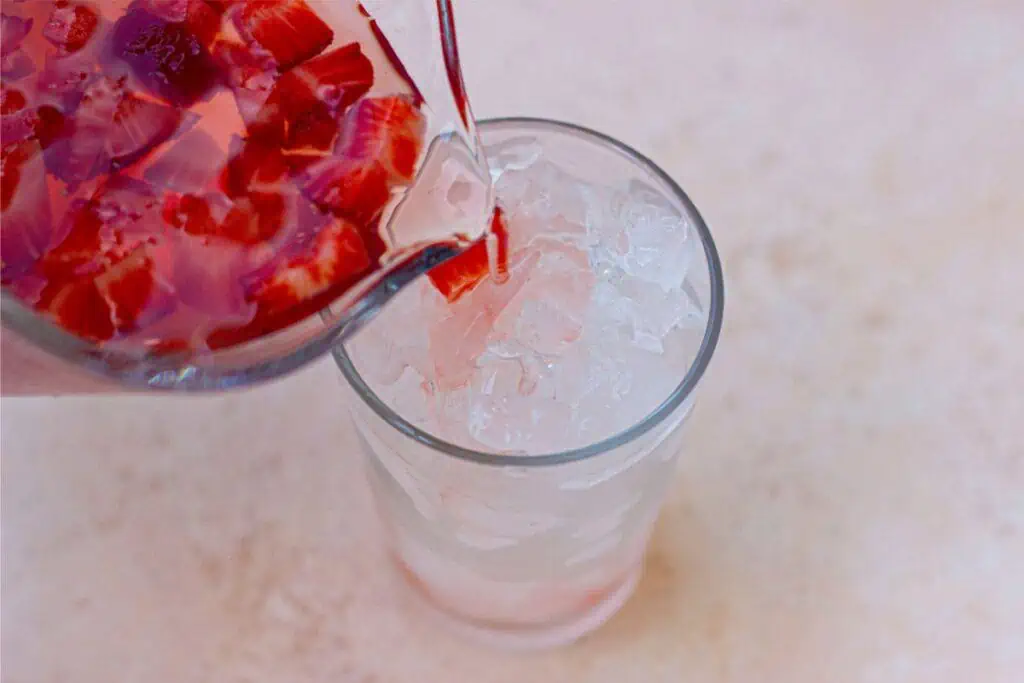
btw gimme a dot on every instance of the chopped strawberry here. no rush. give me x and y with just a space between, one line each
287 29
122 296
71 25
250 76
255 218
339 77
334 258
249 220
351 188
201 17
190 213
462 273
170 58
101 275
25 222
80 308
388 130
301 110
380 144
254 166
11 100
302 282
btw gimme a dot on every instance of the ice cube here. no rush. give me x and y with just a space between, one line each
591 331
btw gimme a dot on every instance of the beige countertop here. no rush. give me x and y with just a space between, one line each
851 503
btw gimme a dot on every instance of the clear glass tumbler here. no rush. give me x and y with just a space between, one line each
536 550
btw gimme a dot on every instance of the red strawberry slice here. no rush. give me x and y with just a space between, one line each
388 130
304 280
25 222
102 275
256 218
380 144
201 17
170 58
334 258
71 25
250 220
461 274
301 110
287 29
250 76
255 166
81 309
350 188
11 101
124 295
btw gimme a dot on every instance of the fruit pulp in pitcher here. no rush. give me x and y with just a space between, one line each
187 175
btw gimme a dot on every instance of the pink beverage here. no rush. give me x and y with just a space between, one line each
188 183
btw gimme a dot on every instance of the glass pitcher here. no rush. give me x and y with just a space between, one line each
446 207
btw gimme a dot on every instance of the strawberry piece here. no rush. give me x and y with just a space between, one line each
304 280
190 213
287 29
71 25
250 220
169 58
461 274
11 100
339 77
102 279
122 297
380 144
255 218
349 188
255 166
300 112
334 258
19 121
201 17
81 309
251 77
387 130
25 222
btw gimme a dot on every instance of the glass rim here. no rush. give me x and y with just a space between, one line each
668 406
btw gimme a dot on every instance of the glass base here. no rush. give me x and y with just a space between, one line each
518 636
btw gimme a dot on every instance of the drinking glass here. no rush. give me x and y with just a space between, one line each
535 550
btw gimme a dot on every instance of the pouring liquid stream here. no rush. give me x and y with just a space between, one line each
201 193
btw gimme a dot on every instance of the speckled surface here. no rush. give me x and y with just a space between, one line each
851 503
